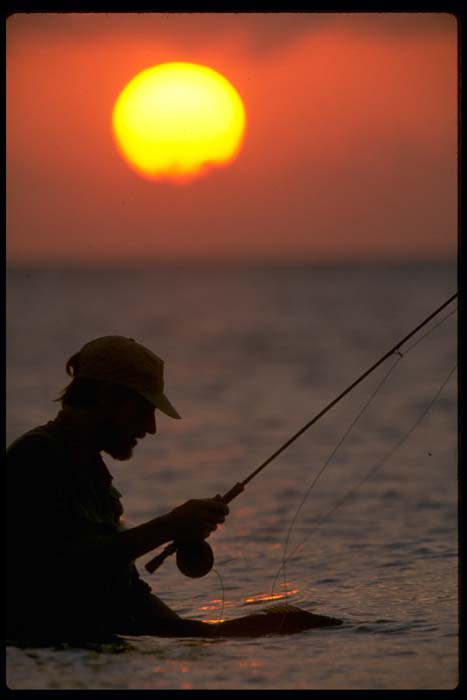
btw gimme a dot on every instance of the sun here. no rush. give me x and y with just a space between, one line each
175 121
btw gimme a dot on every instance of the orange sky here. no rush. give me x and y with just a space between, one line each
350 150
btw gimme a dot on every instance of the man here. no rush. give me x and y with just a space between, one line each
70 565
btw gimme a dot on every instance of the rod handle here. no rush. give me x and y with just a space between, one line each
234 491
157 561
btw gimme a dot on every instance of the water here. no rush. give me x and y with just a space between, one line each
252 354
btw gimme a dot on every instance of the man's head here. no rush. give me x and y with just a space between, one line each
122 383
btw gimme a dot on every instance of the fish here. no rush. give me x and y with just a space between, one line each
277 619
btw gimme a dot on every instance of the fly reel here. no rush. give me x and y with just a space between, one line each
194 558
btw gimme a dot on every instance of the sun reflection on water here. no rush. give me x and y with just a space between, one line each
266 597
217 604
212 621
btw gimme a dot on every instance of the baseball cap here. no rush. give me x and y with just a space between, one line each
123 361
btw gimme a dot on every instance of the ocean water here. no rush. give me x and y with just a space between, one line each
252 354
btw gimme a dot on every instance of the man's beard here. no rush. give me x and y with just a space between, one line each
119 453
118 447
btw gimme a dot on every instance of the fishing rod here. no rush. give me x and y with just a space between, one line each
195 557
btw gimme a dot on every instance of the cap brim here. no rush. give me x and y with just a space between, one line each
161 402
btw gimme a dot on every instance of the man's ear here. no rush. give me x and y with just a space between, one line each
104 397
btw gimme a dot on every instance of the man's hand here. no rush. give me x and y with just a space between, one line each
197 518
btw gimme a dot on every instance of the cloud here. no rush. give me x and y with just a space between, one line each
264 31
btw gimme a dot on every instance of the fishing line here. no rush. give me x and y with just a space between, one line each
430 331
223 593
395 351
331 455
346 434
372 471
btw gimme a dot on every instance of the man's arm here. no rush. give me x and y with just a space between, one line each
195 519
41 521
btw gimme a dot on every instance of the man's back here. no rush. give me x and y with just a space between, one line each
62 513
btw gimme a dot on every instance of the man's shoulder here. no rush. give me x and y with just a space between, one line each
34 465
42 441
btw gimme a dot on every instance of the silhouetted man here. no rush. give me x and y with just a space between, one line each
70 565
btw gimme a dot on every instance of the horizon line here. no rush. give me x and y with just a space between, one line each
365 261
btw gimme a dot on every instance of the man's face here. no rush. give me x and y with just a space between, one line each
128 420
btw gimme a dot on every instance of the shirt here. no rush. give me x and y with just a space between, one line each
64 577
